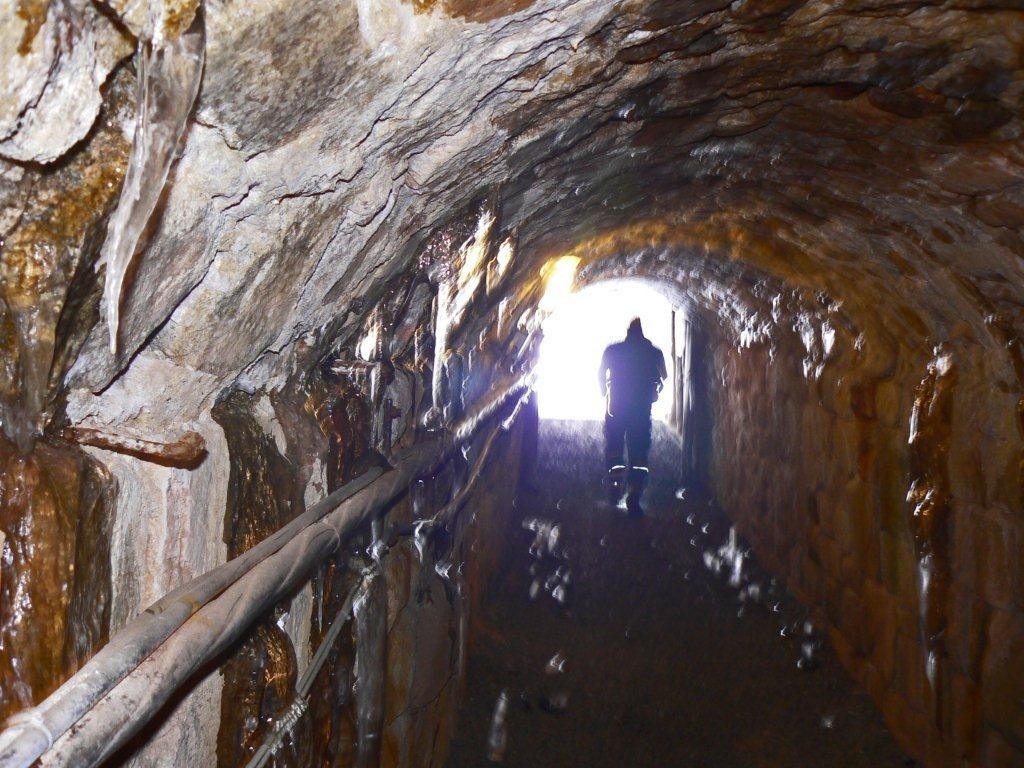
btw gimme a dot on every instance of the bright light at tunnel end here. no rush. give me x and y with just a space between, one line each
580 325
559 276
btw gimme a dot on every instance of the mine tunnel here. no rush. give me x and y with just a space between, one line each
289 474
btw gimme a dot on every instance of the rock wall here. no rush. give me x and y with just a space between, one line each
57 509
907 541
432 602
168 529
426 593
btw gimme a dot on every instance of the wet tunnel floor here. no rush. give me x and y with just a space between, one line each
660 670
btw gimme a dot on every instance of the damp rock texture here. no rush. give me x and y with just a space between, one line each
369 205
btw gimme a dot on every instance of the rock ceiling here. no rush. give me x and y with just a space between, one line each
866 151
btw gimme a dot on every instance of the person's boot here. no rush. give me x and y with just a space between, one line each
616 484
635 483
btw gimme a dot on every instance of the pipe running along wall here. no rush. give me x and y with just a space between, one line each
147 662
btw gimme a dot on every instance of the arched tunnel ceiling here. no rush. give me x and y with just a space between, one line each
866 151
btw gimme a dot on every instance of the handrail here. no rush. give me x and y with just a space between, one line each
287 719
28 734
127 681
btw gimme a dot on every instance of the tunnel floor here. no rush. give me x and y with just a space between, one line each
660 668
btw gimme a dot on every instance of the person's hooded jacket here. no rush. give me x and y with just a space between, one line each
631 373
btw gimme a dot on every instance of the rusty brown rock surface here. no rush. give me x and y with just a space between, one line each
52 224
56 514
259 677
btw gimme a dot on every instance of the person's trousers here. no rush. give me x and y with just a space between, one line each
630 432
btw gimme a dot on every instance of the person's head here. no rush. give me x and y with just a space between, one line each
635 330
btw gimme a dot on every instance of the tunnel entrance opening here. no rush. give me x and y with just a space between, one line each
576 333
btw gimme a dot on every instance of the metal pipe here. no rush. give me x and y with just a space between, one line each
447 513
287 720
187 451
31 732
299 704
129 705
127 681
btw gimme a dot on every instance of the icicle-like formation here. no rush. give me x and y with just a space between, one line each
497 737
371 625
421 538
730 555
462 625
168 81
810 644
378 545
441 326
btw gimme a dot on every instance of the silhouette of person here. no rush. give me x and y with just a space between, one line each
631 376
